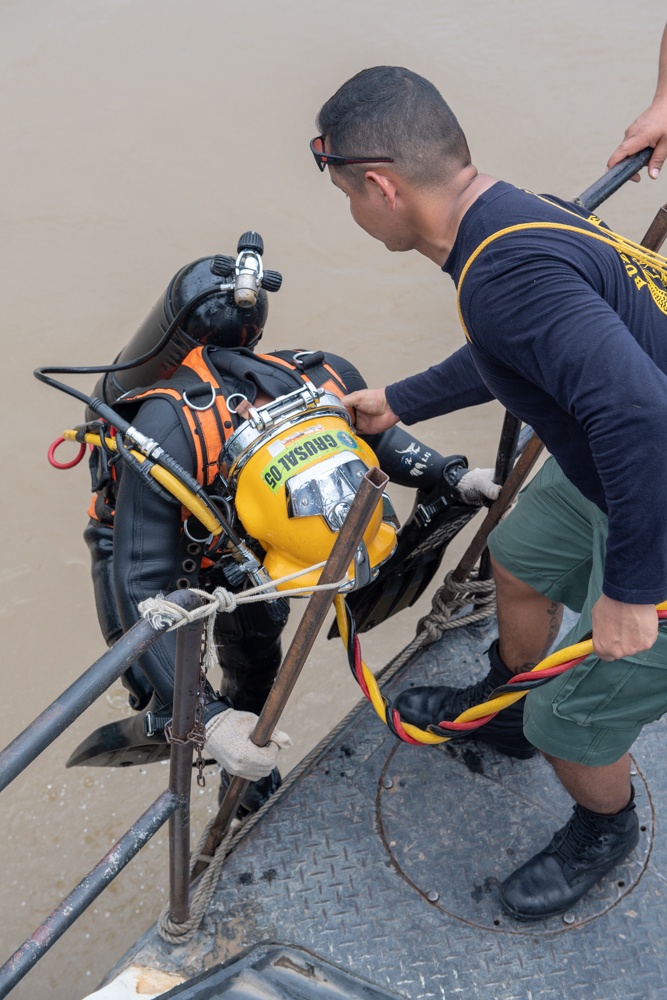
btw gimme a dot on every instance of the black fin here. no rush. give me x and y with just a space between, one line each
121 744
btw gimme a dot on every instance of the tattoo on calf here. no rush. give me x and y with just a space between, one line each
555 613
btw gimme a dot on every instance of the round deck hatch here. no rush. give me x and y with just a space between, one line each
480 815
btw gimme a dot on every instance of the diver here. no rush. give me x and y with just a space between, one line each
195 398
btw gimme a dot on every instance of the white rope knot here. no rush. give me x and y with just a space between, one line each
165 614
226 602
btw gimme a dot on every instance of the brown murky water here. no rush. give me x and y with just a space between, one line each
141 134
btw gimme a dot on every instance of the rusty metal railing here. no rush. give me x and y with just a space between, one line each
173 804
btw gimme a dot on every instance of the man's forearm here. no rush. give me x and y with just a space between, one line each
454 384
661 88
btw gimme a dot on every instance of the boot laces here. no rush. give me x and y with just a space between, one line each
462 698
579 834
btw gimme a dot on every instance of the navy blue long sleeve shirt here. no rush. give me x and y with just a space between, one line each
570 334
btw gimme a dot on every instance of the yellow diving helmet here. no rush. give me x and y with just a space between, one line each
293 468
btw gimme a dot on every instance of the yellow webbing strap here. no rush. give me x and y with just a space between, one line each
621 244
165 478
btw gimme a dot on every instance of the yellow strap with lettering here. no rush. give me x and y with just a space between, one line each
619 243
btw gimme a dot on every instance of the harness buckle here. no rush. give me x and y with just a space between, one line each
425 512
155 723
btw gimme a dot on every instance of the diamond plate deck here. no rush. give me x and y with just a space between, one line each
384 860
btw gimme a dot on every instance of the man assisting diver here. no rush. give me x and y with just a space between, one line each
287 506
566 325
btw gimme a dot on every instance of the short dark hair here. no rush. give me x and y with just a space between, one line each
391 111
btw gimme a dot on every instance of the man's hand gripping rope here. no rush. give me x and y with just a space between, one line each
472 718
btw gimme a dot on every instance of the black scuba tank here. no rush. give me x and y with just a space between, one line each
225 313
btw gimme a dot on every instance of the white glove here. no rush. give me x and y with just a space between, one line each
228 740
478 485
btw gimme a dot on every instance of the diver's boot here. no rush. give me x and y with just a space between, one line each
426 706
255 795
579 855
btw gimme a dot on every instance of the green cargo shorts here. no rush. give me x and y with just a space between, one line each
555 540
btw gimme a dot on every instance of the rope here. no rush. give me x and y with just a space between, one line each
430 628
162 614
175 933
441 618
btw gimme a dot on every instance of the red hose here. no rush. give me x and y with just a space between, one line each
51 455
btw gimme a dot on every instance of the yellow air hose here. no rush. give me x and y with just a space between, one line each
570 655
165 478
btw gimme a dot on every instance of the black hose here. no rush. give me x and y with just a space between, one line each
181 315
143 470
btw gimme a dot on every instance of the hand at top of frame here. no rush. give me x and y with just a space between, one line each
649 129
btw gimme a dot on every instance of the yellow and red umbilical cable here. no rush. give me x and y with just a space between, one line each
518 687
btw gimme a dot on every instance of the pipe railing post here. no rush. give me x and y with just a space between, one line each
173 804
83 894
186 680
347 541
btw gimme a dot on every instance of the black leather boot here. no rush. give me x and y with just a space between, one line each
579 855
425 706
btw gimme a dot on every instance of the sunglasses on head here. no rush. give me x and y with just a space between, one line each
323 159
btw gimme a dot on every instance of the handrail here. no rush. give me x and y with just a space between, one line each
80 695
173 804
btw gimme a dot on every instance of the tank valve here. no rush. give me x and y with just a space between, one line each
247 270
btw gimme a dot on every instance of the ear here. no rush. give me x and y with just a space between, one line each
383 185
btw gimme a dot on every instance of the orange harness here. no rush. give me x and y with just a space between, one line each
208 426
